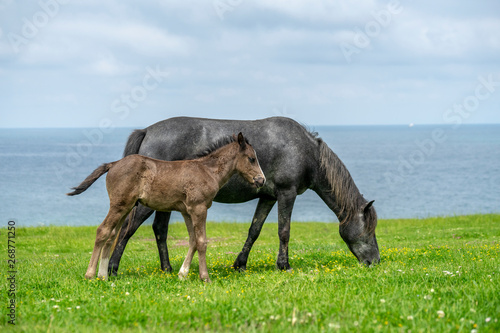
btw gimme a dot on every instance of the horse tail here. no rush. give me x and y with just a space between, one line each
91 179
134 142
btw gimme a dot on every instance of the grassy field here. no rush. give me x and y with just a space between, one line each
436 274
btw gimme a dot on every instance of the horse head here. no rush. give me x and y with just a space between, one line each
358 231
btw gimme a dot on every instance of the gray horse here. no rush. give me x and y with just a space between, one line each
293 160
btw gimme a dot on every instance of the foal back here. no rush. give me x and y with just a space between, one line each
160 185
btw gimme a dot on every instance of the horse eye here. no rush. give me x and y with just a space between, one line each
251 159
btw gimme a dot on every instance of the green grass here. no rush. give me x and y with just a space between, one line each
436 274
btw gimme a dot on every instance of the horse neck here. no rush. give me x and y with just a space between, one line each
343 207
336 186
222 163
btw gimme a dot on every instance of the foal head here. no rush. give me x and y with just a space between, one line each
247 163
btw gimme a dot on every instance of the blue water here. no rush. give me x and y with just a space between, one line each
410 172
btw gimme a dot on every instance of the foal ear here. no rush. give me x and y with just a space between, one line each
367 206
241 141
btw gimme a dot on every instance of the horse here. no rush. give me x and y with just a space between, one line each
293 160
187 186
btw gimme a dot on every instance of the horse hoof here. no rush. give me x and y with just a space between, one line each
239 266
167 270
283 267
240 269
112 269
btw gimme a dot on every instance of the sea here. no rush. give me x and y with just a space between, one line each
410 171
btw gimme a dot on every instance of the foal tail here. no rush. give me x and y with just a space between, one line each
91 179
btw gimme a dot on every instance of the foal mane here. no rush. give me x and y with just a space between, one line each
345 191
218 144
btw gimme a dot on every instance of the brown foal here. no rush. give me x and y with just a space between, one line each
187 186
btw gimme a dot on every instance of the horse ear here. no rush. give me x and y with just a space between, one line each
241 141
367 206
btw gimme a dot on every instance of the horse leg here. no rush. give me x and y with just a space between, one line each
261 212
129 228
160 228
183 272
285 207
199 225
102 234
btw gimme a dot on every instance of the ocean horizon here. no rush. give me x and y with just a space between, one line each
410 172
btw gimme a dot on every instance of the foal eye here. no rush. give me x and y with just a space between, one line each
251 159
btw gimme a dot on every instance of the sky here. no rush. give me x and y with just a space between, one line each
71 63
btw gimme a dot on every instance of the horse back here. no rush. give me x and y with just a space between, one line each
287 152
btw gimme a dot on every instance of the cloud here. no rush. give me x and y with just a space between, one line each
320 11
67 40
107 65
262 55
448 38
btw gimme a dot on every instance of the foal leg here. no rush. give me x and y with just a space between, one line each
199 225
128 229
285 207
183 272
103 232
107 249
261 212
160 228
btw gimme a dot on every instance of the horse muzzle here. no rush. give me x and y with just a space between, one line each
259 181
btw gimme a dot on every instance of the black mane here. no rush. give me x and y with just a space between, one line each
343 188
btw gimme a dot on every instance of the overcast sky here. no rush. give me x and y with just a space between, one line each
344 62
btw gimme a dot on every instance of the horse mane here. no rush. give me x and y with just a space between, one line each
345 191
218 144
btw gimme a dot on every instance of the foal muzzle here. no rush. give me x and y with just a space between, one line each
259 181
